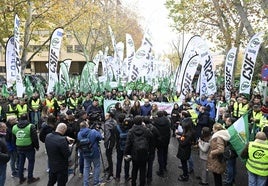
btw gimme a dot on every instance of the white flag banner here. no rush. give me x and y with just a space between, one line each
208 76
229 67
190 61
54 51
10 62
202 83
249 63
119 59
64 73
130 51
19 83
141 61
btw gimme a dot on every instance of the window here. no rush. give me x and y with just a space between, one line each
78 48
69 49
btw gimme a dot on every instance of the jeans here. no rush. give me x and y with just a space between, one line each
120 155
14 161
61 177
30 155
96 174
81 162
162 158
34 116
191 163
255 180
138 166
3 168
230 171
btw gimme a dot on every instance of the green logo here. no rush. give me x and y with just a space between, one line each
254 42
245 85
258 154
55 41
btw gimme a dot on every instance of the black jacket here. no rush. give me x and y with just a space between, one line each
135 131
203 119
57 151
163 126
4 157
185 143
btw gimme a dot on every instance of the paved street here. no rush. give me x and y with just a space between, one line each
169 180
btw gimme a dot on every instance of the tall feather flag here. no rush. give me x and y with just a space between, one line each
19 83
190 61
239 134
249 60
29 89
64 74
54 51
130 51
10 62
229 67
208 80
40 89
141 61
4 91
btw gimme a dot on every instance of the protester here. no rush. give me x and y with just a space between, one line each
162 123
58 152
185 142
109 142
94 138
4 157
136 109
121 132
146 108
11 147
137 147
256 153
203 144
215 163
25 136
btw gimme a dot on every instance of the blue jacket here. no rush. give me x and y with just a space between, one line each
95 137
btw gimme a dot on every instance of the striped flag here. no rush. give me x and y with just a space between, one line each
239 134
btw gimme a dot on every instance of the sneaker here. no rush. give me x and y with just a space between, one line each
22 180
183 178
14 174
32 180
47 170
80 175
109 178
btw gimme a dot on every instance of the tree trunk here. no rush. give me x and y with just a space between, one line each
27 33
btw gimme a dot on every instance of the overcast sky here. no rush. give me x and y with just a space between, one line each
155 14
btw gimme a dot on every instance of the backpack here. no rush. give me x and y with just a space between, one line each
140 148
85 145
122 138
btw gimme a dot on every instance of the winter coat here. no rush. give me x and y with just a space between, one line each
58 151
185 143
217 145
95 138
203 149
134 132
146 110
44 131
109 133
4 157
203 119
163 126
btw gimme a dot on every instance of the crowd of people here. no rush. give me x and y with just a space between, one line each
139 132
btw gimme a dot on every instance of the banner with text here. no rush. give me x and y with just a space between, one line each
229 67
54 51
249 60
10 62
